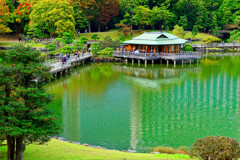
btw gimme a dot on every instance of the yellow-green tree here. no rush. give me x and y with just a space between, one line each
4 17
56 16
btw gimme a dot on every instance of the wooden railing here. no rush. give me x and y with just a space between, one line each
163 55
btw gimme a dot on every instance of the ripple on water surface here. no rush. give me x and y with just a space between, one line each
125 107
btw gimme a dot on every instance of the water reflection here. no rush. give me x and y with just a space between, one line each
124 107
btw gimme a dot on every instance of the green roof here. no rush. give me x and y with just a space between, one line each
156 38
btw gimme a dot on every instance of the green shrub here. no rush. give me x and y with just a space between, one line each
67 38
0 60
95 37
106 51
188 47
212 147
83 39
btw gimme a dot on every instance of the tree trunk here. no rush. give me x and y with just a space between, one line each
10 147
139 27
153 27
89 26
99 27
20 147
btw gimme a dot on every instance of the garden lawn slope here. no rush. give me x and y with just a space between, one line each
56 150
116 34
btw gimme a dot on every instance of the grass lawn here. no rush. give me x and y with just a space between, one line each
115 34
9 44
112 34
55 150
188 34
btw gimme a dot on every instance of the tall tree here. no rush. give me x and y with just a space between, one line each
90 9
4 17
24 116
161 15
107 10
81 21
55 15
142 16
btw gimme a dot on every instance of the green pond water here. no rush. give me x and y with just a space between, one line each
128 107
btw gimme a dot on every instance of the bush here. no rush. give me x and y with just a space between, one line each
178 31
106 51
188 47
67 38
83 39
213 147
95 37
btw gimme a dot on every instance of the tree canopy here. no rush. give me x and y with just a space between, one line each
55 16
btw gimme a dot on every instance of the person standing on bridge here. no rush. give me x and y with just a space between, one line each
63 60
61 56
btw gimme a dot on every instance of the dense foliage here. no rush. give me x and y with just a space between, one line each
187 47
55 17
24 116
212 147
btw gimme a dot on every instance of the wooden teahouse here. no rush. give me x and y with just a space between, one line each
155 42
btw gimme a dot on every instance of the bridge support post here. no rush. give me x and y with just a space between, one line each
139 62
126 61
145 63
132 61
152 61
190 62
160 61
197 62
167 63
174 63
182 62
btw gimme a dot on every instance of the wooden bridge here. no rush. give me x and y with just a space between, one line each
57 66
182 56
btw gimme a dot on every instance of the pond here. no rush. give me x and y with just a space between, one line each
127 107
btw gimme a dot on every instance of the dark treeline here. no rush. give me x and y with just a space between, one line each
54 17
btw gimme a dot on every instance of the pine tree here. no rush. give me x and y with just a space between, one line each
25 118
